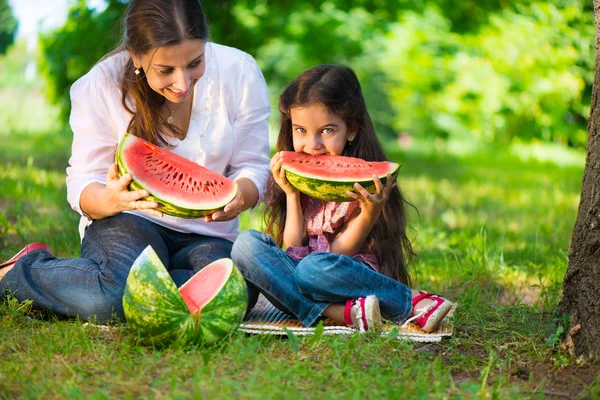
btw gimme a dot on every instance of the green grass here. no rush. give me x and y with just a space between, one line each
493 233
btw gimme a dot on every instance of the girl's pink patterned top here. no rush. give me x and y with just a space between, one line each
322 220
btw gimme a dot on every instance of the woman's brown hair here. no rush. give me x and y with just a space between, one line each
148 25
337 88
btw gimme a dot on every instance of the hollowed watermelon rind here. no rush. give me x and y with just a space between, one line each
153 305
156 310
164 205
328 190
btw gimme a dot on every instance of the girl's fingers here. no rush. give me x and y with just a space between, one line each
378 184
389 184
353 195
362 190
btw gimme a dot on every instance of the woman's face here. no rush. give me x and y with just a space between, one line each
172 71
316 131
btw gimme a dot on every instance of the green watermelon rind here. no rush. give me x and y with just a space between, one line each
164 205
155 309
328 190
153 306
224 313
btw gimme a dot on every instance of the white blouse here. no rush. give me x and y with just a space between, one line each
228 130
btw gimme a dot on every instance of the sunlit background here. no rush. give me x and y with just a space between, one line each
485 103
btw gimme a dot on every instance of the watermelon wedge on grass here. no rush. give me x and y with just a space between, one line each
207 308
330 177
181 187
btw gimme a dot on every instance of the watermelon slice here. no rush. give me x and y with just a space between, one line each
330 177
204 310
181 187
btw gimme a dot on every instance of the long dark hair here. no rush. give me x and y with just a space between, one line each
337 88
148 25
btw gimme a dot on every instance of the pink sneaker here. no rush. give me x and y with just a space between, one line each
365 313
429 317
26 250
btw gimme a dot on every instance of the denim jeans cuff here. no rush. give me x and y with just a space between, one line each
314 314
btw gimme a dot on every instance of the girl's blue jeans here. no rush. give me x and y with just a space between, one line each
91 287
304 288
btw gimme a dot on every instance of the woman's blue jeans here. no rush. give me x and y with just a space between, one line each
91 287
306 287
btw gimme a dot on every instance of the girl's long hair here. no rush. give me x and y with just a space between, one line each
337 88
148 25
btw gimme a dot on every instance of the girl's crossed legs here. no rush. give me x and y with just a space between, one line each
318 284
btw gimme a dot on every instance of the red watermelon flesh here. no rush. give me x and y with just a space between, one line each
204 285
173 179
335 168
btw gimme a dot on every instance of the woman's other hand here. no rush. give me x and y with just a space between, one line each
231 210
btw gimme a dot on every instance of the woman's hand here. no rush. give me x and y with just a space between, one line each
117 194
372 204
279 175
231 210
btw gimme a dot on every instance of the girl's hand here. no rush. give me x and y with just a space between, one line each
372 204
279 175
231 210
118 195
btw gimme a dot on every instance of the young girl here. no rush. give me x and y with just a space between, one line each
345 261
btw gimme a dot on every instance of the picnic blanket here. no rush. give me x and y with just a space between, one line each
265 319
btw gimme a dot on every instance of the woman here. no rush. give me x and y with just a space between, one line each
168 84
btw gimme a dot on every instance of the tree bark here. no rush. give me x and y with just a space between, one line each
581 286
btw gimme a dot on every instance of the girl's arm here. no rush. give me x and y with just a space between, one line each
351 238
293 233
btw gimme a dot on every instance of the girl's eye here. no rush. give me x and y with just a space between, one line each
300 130
328 130
166 71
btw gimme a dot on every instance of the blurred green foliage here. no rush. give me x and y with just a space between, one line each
8 26
70 51
492 70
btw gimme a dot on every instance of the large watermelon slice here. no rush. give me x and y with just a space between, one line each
181 187
204 310
330 177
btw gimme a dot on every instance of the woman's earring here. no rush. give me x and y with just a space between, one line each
137 71
350 143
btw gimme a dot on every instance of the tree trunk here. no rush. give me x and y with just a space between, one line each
581 286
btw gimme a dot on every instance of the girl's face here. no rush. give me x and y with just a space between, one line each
316 131
172 71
